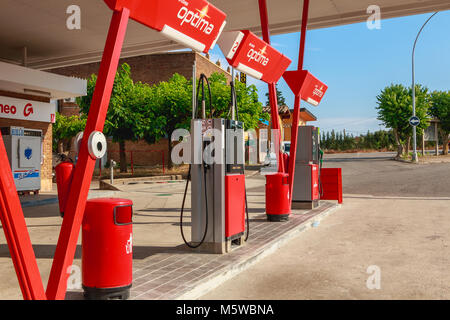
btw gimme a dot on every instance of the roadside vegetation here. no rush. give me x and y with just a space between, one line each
333 141
394 105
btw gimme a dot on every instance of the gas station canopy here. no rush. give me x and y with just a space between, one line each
40 26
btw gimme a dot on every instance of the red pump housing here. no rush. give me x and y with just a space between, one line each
234 206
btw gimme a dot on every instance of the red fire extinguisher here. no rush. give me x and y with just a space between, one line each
64 173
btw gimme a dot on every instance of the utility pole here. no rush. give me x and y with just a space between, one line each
414 156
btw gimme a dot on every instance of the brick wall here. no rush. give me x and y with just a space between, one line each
143 153
68 108
46 168
152 68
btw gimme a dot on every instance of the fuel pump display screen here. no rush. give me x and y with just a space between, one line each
234 146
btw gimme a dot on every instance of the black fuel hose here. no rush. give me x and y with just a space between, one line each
182 212
201 82
234 96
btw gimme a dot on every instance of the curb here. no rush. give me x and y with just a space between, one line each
54 200
231 271
105 185
37 203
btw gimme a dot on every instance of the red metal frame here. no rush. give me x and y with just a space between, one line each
16 233
76 203
272 86
294 130
273 92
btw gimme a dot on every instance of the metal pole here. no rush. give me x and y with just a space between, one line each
297 101
233 103
111 178
414 156
194 87
76 202
272 86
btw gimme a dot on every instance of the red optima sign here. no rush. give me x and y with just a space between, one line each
253 56
305 85
196 24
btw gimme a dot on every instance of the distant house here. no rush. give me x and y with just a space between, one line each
286 116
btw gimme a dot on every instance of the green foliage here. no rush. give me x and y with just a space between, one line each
281 101
249 107
440 109
65 128
174 99
173 102
379 140
395 108
129 115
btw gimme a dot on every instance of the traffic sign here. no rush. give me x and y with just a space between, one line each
414 121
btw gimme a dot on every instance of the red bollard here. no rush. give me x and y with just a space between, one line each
107 249
278 203
64 173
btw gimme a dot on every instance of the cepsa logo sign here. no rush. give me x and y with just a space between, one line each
7 109
26 110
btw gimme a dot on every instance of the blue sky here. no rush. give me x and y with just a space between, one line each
356 63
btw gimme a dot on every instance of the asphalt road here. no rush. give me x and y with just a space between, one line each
395 220
378 174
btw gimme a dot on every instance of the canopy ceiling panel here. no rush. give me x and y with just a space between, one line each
40 26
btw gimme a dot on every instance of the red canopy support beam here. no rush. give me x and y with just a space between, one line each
272 86
16 233
76 203
296 116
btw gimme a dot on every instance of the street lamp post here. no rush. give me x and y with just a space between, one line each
414 156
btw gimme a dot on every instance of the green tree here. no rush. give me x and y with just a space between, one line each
281 101
174 100
129 113
395 109
64 129
440 109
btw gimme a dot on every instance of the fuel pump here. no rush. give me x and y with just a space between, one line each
218 197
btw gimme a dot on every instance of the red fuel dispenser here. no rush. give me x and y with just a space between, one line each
107 249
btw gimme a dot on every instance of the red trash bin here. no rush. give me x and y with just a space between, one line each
278 205
107 249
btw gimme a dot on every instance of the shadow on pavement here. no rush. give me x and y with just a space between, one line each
41 251
358 159
395 198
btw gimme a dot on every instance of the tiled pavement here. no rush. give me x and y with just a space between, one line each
182 274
